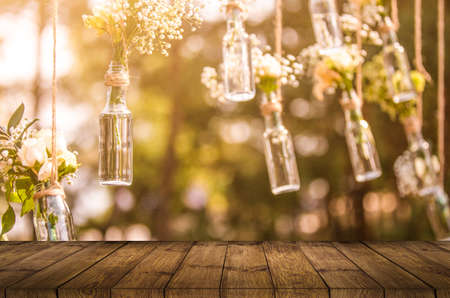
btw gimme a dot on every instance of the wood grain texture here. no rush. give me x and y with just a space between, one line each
337 271
434 274
443 244
105 274
201 269
290 269
50 278
155 271
221 269
246 268
383 271
37 260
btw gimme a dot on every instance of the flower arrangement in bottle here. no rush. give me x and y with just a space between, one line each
145 26
335 70
25 166
278 146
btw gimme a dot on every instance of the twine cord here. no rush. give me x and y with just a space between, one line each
54 190
359 77
276 106
54 172
441 86
117 79
394 14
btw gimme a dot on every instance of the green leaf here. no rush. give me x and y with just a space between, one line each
16 117
25 188
8 220
13 197
53 219
27 206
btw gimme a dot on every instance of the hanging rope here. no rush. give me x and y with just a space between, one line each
54 175
441 86
394 14
278 37
271 106
359 77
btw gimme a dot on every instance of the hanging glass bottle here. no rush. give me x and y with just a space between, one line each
438 212
279 149
360 141
239 80
116 142
416 170
396 64
325 20
52 218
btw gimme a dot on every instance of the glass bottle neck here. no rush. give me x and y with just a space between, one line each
274 119
415 139
351 104
388 34
117 86
234 20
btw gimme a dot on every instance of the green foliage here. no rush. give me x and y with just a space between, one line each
375 89
8 220
16 117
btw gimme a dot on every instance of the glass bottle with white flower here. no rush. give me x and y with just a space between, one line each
337 69
26 167
278 146
239 80
144 26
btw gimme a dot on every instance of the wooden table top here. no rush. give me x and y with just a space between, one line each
225 269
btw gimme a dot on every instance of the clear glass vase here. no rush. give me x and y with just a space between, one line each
396 64
115 139
239 80
438 212
279 151
326 25
360 142
424 168
52 219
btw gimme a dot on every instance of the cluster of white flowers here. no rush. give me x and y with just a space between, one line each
350 25
148 25
309 57
211 81
267 66
344 59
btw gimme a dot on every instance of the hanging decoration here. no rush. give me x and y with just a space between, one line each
416 170
333 65
270 72
144 26
33 163
239 80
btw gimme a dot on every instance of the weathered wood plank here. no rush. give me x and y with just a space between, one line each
192 293
303 293
290 269
55 275
338 272
17 251
434 274
443 244
429 251
246 268
383 271
154 272
201 269
20 269
104 275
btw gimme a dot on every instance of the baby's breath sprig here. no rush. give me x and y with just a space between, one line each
144 25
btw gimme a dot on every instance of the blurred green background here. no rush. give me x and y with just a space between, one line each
199 170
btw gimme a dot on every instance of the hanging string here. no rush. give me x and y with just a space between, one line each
278 38
359 77
54 173
394 14
273 106
441 86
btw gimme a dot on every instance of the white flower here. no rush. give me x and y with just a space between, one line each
33 151
46 136
45 171
69 158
